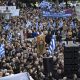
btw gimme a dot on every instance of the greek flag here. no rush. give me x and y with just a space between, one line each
49 24
52 45
9 37
61 24
6 27
2 50
37 25
41 25
73 25
54 24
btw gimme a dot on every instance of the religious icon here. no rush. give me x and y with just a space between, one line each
41 44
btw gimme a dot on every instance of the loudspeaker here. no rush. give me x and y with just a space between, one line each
71 61
48 65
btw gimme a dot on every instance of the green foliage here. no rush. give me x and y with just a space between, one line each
79 0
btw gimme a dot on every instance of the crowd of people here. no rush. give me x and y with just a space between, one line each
21 54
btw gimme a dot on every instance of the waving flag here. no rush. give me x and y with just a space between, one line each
6 27
2 50
73 25
60 24
41 25
52 45
49 24
37 25
9 37
44 4
54 24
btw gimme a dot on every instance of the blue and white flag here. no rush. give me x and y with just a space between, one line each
9 37
60 24
54 24
6 27
49 24
40 25
52 45
2 50
45 4
37 25
73 25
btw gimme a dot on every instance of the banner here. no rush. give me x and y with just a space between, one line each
68 11
20 76
77 9
16 12
2 9
56 15
11 9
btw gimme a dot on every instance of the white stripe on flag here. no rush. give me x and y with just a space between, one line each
2 50
52 45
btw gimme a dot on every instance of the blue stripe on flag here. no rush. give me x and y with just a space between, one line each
52 45
9 37
2 50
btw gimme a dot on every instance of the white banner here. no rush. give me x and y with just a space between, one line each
77 8
20 76
16 12
11 9
2 9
